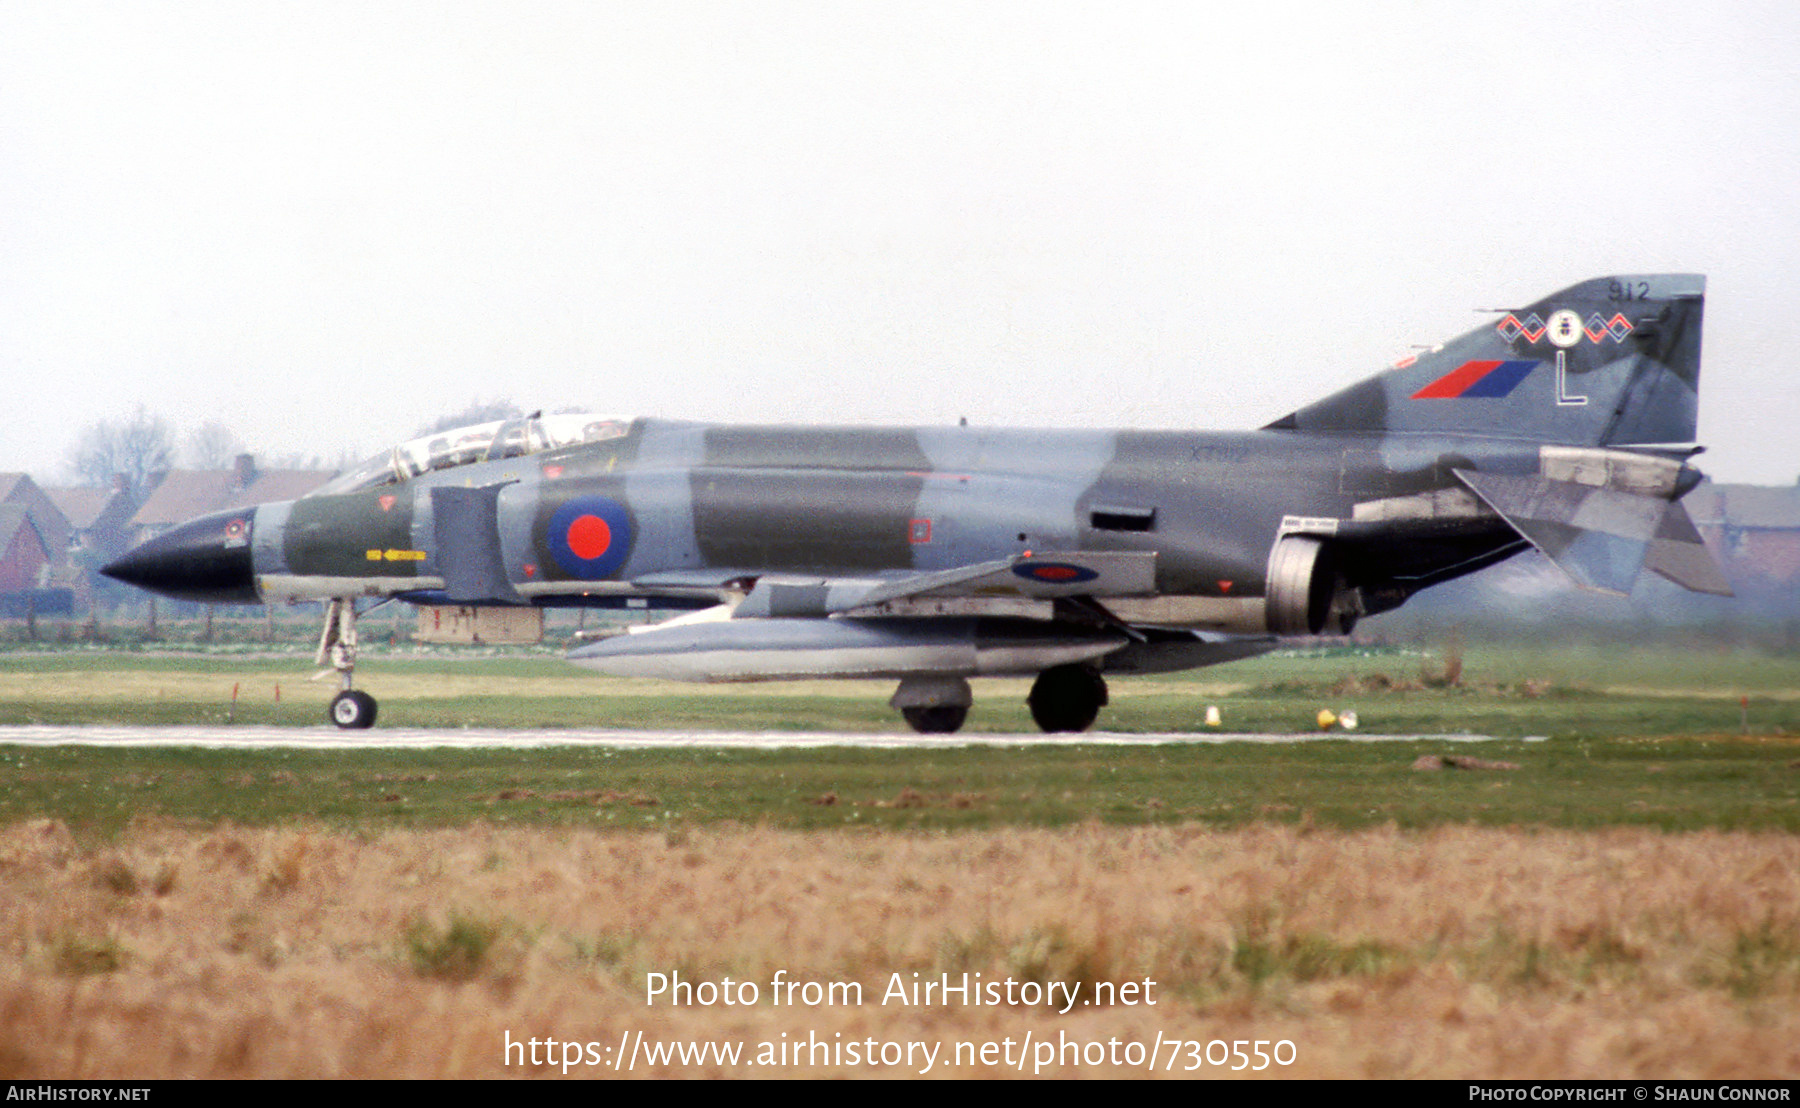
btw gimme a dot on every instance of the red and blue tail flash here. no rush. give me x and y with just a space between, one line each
1486 379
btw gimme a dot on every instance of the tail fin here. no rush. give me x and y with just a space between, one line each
1611 361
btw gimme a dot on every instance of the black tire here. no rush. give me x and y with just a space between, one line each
1067 698
352 710
942 719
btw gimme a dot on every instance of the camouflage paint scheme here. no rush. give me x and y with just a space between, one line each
931 555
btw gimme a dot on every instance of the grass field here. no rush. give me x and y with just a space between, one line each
1623 902
1629 736
1588 692
1672 784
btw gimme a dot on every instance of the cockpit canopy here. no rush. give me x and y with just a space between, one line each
481 442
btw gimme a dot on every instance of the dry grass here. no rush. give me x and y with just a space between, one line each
1458 952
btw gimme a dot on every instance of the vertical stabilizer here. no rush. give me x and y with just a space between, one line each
1611 361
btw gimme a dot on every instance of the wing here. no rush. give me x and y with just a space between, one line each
1023 584
1040 577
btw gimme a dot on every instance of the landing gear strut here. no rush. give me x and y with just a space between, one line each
1067 698
350 709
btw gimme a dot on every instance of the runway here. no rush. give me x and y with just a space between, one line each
329 738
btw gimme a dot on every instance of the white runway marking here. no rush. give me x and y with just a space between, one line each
326 738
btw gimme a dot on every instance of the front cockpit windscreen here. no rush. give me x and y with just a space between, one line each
481 442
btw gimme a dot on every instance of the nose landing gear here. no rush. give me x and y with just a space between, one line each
351 709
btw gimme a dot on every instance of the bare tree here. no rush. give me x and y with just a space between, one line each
132 448
212 446
299 459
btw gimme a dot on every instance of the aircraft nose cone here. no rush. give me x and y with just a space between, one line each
204 559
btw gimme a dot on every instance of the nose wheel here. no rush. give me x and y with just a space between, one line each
351 709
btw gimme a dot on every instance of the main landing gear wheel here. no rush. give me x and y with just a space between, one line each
353 710
940 720
1067 698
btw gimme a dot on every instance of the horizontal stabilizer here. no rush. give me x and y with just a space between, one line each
1679 554
1601 537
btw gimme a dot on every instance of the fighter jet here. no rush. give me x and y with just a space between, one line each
933 555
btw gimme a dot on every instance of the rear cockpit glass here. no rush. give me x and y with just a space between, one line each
481 442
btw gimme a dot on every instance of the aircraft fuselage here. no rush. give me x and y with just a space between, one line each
684 511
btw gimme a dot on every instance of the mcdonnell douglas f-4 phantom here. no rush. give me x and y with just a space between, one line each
932 555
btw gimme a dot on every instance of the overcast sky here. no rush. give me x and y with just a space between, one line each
325 224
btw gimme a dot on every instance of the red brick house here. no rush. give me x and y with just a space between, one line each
24 556
1754 529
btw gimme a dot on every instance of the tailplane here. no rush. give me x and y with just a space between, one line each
1603 528
1611 361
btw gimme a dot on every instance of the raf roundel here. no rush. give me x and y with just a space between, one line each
589 537
1054 573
